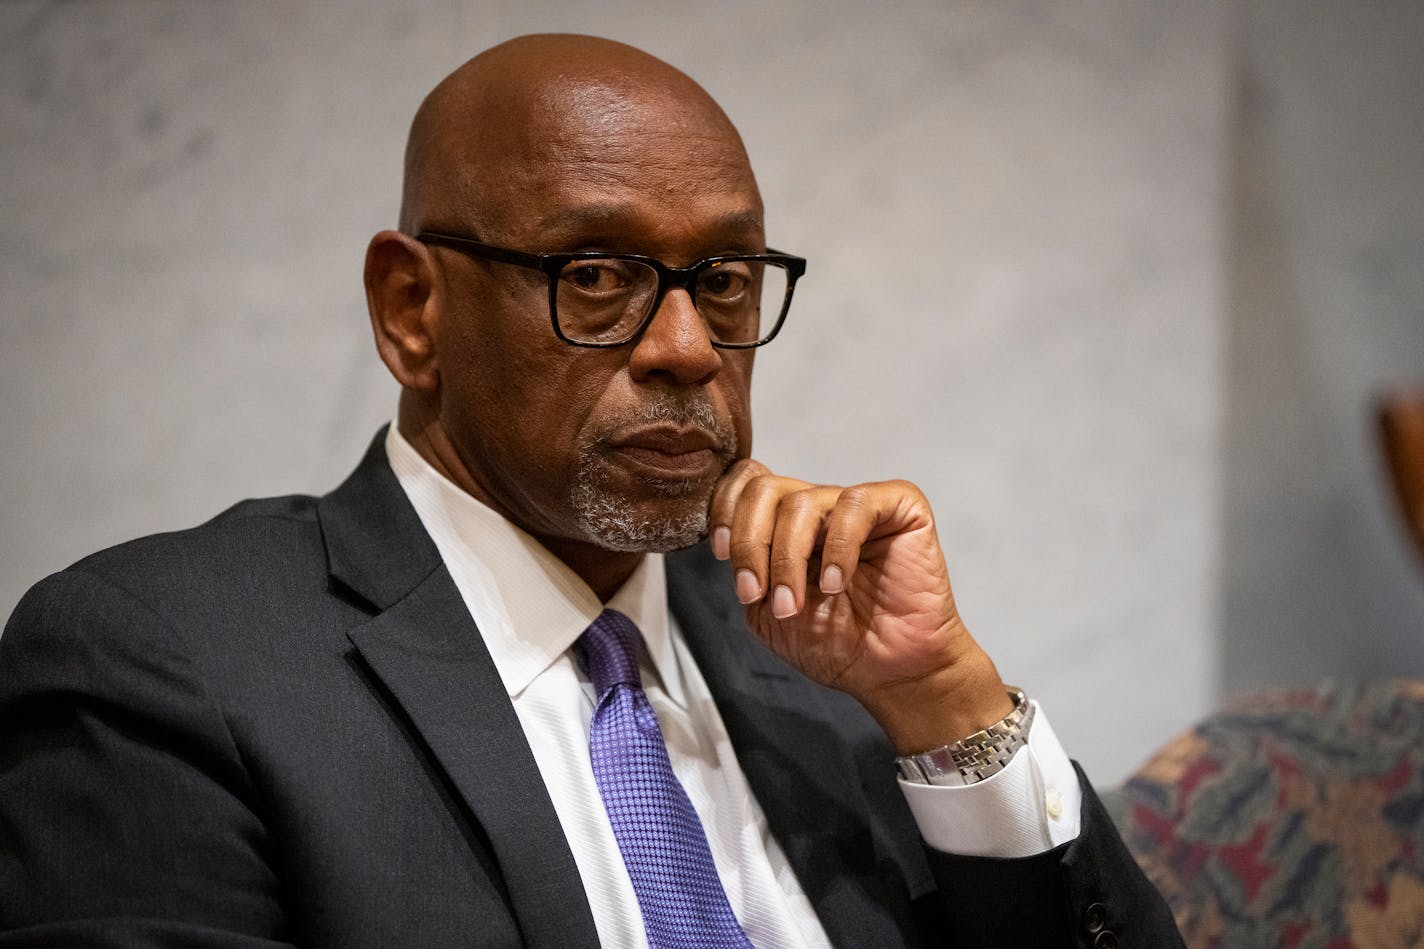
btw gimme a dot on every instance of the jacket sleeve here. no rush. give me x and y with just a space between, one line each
1086 893
126 816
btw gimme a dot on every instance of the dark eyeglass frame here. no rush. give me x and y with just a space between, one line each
669 278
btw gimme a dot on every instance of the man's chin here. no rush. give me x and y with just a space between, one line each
656 525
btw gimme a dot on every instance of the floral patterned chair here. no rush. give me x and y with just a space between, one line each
1291 819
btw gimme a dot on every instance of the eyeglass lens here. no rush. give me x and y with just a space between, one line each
606 300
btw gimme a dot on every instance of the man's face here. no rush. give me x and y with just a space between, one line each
622 447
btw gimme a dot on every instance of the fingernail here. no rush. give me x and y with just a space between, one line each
722 543
832 580
783 604
748 586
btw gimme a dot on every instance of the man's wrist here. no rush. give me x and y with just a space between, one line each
976 757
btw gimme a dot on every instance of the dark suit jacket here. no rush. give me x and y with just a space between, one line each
283 727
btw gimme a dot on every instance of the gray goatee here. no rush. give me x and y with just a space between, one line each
613 520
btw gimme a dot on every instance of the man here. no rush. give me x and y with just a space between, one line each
376 719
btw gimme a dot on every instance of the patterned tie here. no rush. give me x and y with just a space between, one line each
658 832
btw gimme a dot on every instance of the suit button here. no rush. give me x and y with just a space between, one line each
1107 939
1095 917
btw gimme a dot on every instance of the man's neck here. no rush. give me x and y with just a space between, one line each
605 571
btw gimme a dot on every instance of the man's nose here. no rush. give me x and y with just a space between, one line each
675 343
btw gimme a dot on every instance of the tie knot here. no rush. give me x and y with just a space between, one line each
608 650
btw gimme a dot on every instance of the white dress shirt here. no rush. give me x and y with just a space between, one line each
530 608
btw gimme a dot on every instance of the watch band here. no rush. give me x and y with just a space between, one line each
971 760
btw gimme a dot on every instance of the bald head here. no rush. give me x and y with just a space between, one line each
549 103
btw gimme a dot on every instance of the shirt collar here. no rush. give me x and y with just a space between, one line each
528 605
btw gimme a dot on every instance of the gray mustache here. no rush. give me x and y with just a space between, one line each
685 413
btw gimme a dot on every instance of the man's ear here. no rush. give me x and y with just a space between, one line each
403 300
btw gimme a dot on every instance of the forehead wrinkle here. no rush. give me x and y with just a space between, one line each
633 228
591 148
620 131
612 175
604 216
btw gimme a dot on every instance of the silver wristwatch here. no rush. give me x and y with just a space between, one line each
975 758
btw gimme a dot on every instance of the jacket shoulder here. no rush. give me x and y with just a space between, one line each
247 535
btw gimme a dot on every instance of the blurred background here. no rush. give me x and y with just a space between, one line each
1115 281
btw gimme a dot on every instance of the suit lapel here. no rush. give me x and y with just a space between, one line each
424 647
784 730
426 650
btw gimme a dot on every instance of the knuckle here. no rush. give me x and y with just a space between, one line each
754 468
748 549
840 553
797 502
760 486
855 498
745 470
785 562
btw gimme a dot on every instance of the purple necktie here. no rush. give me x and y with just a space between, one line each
658 832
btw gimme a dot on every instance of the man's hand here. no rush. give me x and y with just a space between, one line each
849 585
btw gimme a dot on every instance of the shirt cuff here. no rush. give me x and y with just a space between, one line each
1030 806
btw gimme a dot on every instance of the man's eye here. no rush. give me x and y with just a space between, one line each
596 276
724 281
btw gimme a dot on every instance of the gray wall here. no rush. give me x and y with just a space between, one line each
1112 281
1325 308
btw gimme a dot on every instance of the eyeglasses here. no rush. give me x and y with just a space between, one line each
605 300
